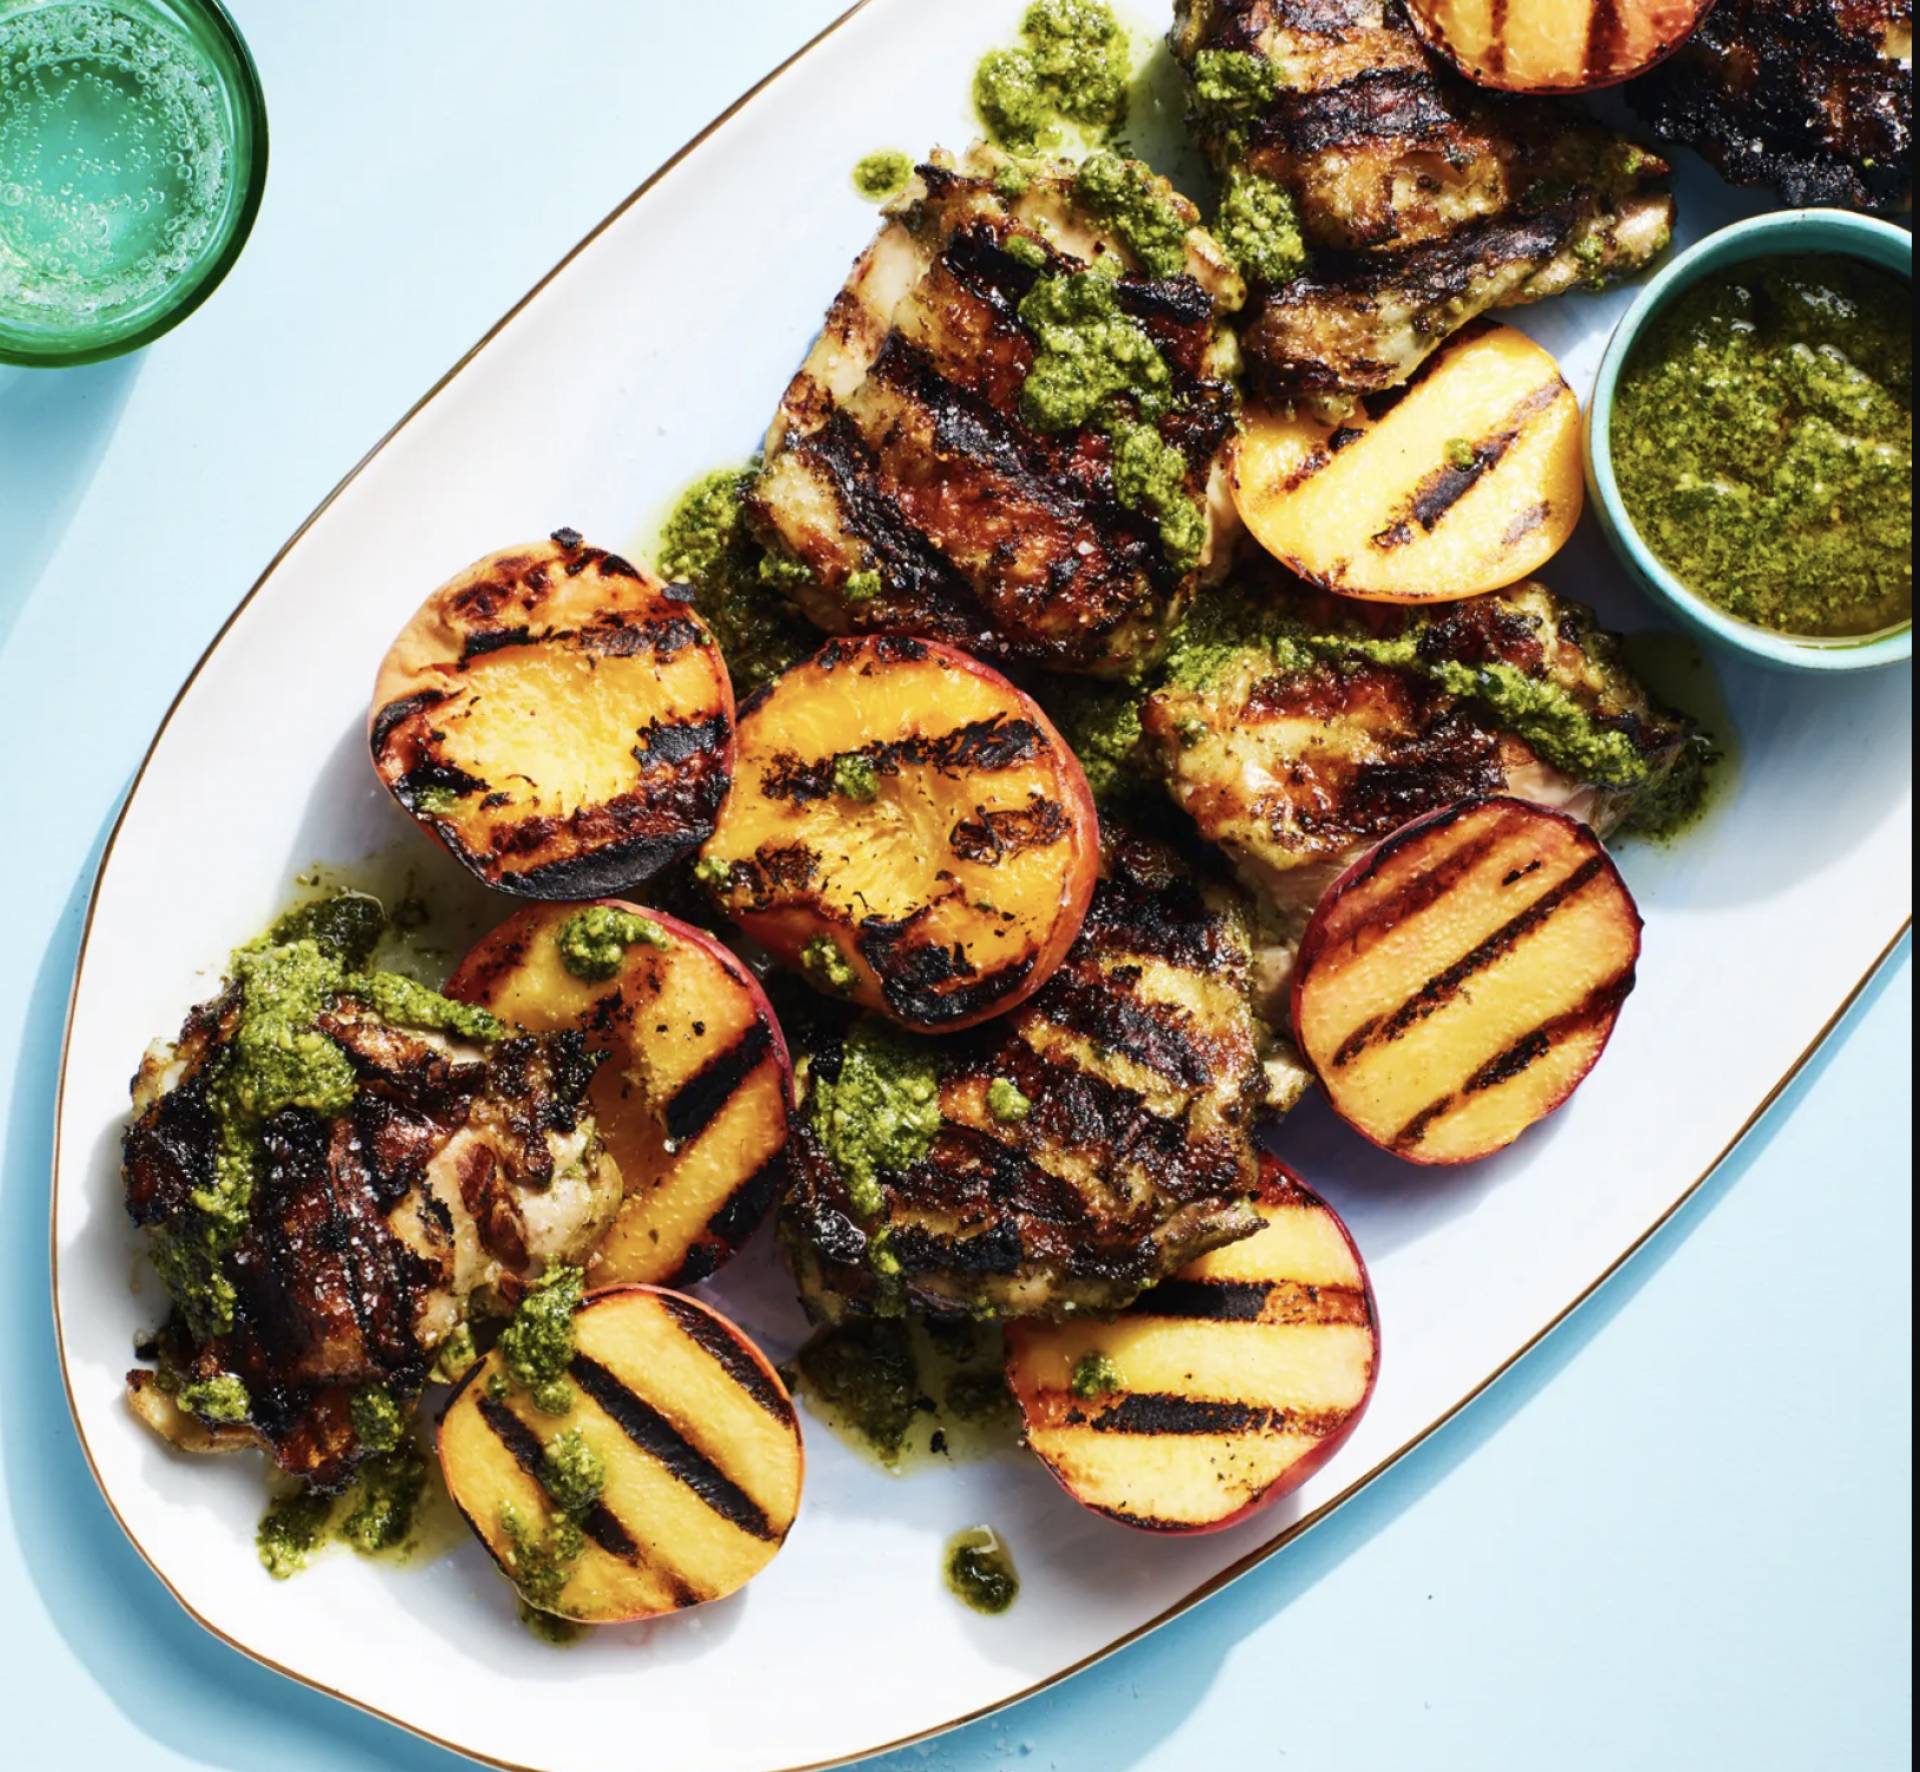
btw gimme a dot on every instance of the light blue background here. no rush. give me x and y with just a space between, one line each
1677 1536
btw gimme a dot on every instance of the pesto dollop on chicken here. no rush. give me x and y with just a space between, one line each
1061 1159
1424 201
1009 434
335 1166
1298 728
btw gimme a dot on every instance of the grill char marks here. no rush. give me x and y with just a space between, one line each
599 1522
1139 1070
909 808
1426 200
701 1329
902 455
345 1274
1445 987
980 747
1216 1390
560 724
1439 491
1294 770
1598 1007
656 1436
1809 96
1460 983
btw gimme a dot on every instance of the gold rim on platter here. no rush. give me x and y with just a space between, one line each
1186 1602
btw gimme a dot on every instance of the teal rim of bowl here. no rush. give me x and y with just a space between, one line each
203 19
1830 233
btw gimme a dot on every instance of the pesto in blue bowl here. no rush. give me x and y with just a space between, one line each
1750 440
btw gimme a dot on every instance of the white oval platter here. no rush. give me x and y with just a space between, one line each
654 351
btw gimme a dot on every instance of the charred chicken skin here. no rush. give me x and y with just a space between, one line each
1062 1159
1298 729
1425 200
939 468
335 1169
1813 97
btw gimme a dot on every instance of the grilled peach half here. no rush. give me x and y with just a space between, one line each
689 1427
908 831
1456 985
557 720
1219 1391
1555 45
1467 479
693 1097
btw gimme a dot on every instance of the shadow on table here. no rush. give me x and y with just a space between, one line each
1118 1713
172 1678
180 1685
54 425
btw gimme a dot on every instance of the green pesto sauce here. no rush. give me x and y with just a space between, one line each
1230 88
909 1391
855 778
864 1371
1150 476
1139 208
1763 443
378 1423
737 583
1094 1375
881 1112
1095 365
540 1566
883 174
536 1347
376 1516
289 1533
1677 671
979 1570
407 1003
822 961
1024 249
1071 66
572 1473
345 926
223 1401
1260 229
1101 724
1220 631
1005 1102
276 1058
385 1502
1091 360
593 943
454 1355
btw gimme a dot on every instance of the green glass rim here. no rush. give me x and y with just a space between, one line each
250 157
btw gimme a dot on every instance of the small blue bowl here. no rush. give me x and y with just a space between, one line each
1834 232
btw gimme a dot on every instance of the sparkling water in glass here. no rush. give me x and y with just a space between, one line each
132 151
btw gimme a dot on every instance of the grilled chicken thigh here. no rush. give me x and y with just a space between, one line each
1081 1149
1814 97
453 1174
1305 728
1425 200
910 485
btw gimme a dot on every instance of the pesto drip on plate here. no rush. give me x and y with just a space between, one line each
883 174
737 580
980 1572
1763 444
1070 71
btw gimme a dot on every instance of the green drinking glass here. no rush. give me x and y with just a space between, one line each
133 151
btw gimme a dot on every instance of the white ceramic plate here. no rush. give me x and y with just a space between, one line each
656 350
